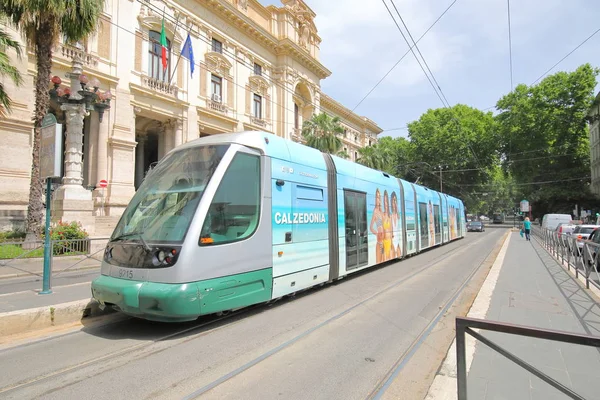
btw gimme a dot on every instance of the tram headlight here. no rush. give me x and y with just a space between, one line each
161 256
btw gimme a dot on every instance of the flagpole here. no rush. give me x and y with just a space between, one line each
178 58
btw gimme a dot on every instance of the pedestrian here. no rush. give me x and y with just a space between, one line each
527 228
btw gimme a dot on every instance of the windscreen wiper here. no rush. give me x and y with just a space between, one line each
138 234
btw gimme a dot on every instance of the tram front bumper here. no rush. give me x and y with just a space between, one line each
165 302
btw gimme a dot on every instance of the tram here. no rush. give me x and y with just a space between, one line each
231 220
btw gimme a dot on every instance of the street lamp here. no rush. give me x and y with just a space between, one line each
92 99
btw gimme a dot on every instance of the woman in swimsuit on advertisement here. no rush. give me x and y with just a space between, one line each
431 224
376 227
396 250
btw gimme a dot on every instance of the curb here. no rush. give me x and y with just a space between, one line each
24 321
38 274
444 384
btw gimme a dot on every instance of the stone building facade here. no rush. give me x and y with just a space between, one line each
256 68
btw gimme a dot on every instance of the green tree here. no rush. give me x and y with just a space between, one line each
7 69
463 141
323 132
388 154
545 139
376 156
42 23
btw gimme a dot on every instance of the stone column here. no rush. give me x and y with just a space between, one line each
102 149
74 114
177 132
140 158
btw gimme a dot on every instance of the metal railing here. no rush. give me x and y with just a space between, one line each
579 254
67 254
465 326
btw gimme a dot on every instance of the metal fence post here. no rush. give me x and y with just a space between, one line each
461 361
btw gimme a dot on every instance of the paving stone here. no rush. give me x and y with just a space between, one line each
534 290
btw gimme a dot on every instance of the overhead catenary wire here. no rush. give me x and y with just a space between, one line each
440 94
411 49
533 183
402 58
251 67
419 51
556 64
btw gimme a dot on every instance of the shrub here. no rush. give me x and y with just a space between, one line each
65 235
15 235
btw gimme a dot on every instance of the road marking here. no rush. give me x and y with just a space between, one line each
444 384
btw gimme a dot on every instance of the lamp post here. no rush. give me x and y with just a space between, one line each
76 104
441 167
92 99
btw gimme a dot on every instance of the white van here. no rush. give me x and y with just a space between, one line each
551 221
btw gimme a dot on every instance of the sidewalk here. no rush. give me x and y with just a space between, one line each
35 266
528 287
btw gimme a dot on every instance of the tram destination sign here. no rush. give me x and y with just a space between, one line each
50 147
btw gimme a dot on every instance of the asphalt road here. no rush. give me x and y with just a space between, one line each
34 282
341 341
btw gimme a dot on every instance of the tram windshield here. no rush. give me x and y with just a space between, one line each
164 205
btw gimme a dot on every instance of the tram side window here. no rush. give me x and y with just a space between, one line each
235 210
436 213
423 220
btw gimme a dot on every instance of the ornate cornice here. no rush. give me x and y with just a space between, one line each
218 116
288 47
149 20
217 63
121 143
329 103
133 87
281 47
259 84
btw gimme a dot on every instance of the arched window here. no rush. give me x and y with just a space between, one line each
155 69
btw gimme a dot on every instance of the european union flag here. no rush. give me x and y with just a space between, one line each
188 52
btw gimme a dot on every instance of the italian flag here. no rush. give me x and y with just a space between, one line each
163 43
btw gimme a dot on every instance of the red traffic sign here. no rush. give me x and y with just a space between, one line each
103 183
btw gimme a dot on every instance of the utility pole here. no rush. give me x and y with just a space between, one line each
441 167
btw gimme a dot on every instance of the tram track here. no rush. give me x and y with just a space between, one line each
218 322
382 386
115 354
443 257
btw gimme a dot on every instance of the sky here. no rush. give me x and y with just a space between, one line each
467 51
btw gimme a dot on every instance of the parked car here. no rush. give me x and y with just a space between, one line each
551 221
594 238
565 228
582 233
475 226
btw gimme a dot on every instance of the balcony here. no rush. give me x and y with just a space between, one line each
258 122
71 52
159 86
217 106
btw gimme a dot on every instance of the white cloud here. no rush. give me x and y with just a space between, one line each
360 39
467 50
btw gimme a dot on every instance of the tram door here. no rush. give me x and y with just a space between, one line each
357 247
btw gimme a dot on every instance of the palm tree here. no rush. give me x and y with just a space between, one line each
8 70
42 23
322 133
376 157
